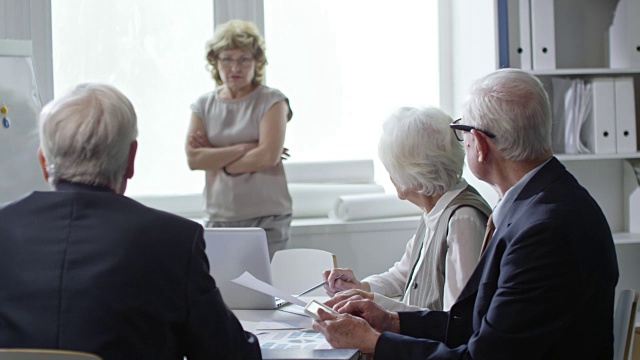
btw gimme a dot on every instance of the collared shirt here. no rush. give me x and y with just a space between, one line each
509 197
466 229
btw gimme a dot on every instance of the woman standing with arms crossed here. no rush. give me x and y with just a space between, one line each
237 135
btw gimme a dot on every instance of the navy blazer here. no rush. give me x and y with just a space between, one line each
543 289
83 268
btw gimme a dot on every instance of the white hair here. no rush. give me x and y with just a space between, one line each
513 105
420 151
86 134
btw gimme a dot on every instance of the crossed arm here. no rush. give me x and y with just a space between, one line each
242 157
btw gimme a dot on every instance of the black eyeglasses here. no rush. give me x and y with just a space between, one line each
459 128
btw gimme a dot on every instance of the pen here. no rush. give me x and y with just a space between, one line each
316 287
312 288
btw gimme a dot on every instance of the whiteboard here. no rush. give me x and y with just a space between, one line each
19 169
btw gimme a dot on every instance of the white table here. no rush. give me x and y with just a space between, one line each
251 320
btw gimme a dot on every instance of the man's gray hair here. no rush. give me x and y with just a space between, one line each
420 151
86 134
513 105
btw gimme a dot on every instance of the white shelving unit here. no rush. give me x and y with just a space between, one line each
604 175
580 49
578 157
585 71
626 238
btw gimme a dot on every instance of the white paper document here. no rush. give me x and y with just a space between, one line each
305 339
248 280
297 310
303 323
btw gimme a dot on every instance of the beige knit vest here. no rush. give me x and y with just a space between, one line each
427 288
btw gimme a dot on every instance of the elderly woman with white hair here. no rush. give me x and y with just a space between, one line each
424 161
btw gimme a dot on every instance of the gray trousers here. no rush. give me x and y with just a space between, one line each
277 229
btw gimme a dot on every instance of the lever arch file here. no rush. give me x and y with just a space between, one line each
543 42
626 123
624 35
514 38
524 48
599 131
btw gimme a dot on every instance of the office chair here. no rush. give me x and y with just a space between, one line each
296 270
624 321
45 354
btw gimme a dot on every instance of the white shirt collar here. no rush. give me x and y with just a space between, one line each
431 218
503 204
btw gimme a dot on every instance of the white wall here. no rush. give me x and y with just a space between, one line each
473 55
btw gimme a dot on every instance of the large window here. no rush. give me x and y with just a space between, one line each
345 65
152 50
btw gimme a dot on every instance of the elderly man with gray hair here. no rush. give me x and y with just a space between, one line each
544 286
86 268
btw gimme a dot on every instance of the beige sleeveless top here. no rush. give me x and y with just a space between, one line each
228 122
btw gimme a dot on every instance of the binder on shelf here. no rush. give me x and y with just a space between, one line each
524 48
599 131
631 194
543 42
559 88
504 22
626 123
514 34
634 211
624 35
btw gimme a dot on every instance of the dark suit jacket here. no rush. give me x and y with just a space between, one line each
543 289
85 269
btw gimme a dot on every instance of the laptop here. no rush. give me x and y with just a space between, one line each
231 252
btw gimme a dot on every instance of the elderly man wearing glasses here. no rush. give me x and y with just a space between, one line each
544 286
237 135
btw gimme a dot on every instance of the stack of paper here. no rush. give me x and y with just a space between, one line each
572 107
577 106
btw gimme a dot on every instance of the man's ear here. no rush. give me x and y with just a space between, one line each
43 164
482 145
133 148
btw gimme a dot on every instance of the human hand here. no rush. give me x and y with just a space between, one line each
342 297
339 280
377 317
285 154
346 332
198 140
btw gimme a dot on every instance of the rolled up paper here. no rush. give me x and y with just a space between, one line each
345 171
316 200
372 206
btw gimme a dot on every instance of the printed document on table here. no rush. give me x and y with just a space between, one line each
303 339
248 280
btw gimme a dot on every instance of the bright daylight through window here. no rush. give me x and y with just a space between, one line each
345 65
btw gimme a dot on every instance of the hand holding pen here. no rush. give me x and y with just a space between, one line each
339 279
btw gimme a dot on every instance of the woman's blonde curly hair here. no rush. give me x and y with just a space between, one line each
236 35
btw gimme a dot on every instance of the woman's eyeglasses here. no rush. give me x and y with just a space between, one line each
243 62
458 129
